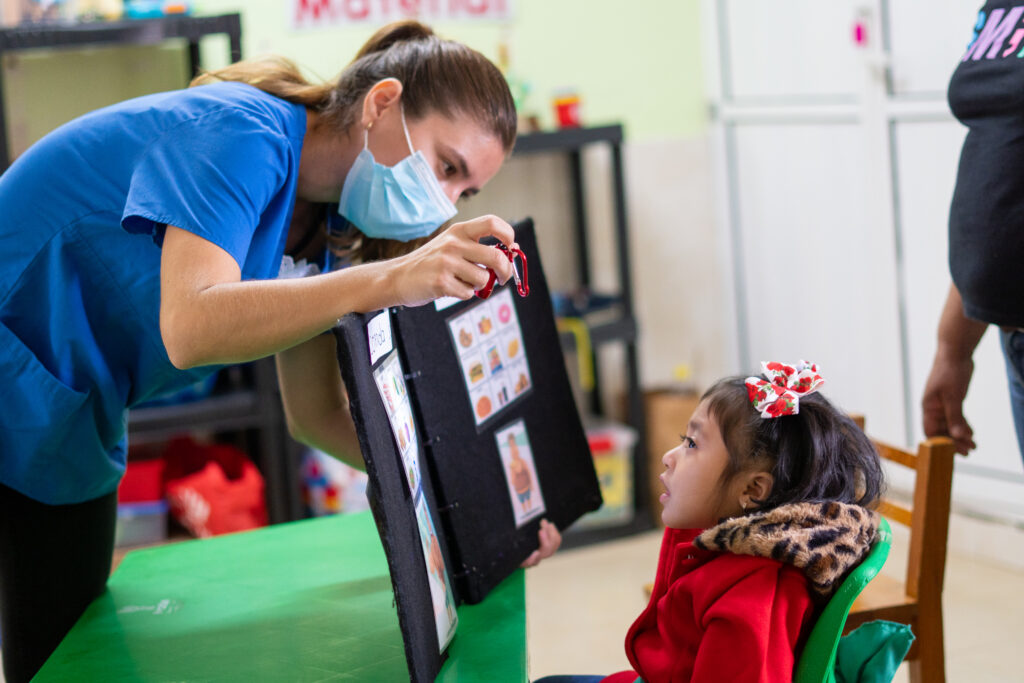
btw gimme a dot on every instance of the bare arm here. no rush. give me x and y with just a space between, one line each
946 388
315 402
208 315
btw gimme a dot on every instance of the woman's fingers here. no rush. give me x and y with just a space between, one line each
485 226
455 263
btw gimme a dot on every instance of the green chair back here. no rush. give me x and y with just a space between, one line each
817 663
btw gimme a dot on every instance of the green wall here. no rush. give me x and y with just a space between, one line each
637 63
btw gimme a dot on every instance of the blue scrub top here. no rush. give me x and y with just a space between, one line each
82 216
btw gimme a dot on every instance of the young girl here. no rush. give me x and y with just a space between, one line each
766 511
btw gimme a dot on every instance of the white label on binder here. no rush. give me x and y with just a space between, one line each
379 332
446 302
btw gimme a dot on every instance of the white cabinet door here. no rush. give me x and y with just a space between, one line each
840 163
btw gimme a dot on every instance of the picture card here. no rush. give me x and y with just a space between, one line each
393 392
445 616
489 343
520 472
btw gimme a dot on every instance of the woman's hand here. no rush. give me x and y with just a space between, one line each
550 540
450 264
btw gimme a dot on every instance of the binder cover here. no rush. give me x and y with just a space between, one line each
480 432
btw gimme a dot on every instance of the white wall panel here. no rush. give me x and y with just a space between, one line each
798 48
819 274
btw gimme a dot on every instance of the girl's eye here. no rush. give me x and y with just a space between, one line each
447 169
687 441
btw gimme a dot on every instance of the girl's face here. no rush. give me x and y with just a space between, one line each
695 496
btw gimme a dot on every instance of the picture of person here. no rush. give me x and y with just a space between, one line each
525 494
519 474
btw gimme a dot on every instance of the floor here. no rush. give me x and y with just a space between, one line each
581 602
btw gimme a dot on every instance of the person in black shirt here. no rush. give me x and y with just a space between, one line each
986 223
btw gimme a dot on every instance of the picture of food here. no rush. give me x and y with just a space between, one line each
491 350
483 407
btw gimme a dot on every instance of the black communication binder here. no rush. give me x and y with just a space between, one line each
487 387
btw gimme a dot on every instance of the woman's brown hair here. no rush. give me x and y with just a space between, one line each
437 75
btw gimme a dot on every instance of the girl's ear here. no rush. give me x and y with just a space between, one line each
757 486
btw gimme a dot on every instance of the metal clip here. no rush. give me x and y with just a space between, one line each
522 281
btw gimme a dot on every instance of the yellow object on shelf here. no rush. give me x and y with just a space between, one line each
584 349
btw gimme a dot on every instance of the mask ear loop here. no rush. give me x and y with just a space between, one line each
405 129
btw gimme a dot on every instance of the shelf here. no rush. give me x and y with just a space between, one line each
567 139
129 31
622 329
236 410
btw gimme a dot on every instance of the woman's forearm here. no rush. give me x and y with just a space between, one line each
208 316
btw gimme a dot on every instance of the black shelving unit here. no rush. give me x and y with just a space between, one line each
249 405
618 327
128 32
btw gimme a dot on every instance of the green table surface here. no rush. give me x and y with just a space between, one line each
305 601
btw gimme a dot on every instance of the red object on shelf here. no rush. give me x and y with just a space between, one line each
142 481
567 110
213 488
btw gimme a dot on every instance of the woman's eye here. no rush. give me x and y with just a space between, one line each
447 169
687 441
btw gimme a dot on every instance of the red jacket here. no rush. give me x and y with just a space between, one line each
718 616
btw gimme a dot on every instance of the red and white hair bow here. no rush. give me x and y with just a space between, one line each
780 394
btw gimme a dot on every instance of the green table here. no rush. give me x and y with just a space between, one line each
306 601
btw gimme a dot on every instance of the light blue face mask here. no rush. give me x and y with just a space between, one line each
400 202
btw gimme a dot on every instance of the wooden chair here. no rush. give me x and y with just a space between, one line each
916 601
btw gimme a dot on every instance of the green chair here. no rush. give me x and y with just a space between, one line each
817 663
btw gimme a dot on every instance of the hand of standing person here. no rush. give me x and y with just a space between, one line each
946 388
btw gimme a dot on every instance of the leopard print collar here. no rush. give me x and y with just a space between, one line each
824 540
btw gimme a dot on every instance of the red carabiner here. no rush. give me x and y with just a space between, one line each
522 283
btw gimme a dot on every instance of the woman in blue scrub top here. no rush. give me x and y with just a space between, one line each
140 248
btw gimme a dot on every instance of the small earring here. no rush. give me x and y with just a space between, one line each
743 505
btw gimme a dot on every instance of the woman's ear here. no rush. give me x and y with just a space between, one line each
381 96
756 487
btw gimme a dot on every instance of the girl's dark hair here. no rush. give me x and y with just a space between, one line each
817 455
